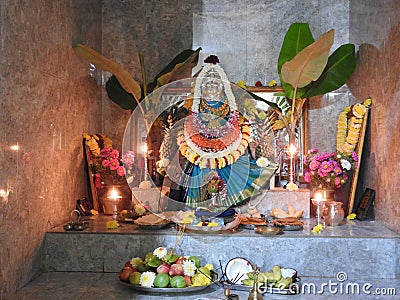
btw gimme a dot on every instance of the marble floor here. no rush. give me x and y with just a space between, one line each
106 286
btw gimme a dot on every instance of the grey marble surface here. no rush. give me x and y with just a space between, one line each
355 248
73 285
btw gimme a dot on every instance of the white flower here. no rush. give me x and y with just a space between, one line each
189 268
147 279
345 164
165 162
129 179
262 162
160 252
291 186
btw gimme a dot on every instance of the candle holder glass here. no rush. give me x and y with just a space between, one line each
319 211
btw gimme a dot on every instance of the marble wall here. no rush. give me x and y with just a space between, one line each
375 27
47 100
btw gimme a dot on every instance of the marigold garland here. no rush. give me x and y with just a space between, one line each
349 127
199 154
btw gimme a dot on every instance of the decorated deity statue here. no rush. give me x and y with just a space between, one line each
213 139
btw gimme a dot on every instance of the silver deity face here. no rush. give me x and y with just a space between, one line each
212 87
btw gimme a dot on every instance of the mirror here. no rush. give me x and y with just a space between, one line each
270 94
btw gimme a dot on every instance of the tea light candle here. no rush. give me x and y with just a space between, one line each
318 196
319 202
115 197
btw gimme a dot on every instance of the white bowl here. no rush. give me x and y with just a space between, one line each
238 268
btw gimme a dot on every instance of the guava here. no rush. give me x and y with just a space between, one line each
196 261
161 280
178 282
134 278
142 268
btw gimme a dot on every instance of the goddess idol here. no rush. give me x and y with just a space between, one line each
218 172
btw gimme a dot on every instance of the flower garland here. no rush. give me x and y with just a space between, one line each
199 154
197 89
214 132
210 144
349 127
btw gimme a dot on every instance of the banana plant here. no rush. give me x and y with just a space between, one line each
306 69
123 89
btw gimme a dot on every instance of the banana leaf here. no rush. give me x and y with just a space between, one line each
309 63
125 79
296 39
184 60
271 104
118 94
338 70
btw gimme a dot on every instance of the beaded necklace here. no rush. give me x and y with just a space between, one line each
213 132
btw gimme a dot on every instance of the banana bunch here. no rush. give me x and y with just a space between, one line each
272 278
292 212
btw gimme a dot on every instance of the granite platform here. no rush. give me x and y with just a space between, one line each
356 247
84 264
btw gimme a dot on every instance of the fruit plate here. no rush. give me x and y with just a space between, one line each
292 290
164 290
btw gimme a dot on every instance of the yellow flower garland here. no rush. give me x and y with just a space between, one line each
212 160
348 130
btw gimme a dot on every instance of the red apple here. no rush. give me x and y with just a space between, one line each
163 268
180 260
188 280
125 273
176 269
258 83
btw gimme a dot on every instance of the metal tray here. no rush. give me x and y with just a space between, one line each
164 290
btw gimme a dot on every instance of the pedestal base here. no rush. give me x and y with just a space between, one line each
280 198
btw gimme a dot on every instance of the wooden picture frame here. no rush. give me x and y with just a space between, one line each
359 151
365 205
92 191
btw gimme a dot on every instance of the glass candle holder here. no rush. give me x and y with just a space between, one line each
320 208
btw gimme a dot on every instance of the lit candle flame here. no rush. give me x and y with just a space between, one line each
318 196
14 147
292 149
143 148
114 194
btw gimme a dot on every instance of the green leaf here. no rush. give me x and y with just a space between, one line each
105 64
338 70
296 39
309 63
271 104
118 95
184 60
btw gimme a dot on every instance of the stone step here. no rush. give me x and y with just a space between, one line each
356 248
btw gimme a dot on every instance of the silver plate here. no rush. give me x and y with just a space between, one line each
289 227
164 290
153 227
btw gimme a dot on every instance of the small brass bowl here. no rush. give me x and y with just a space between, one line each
268 230
79 226
68 227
